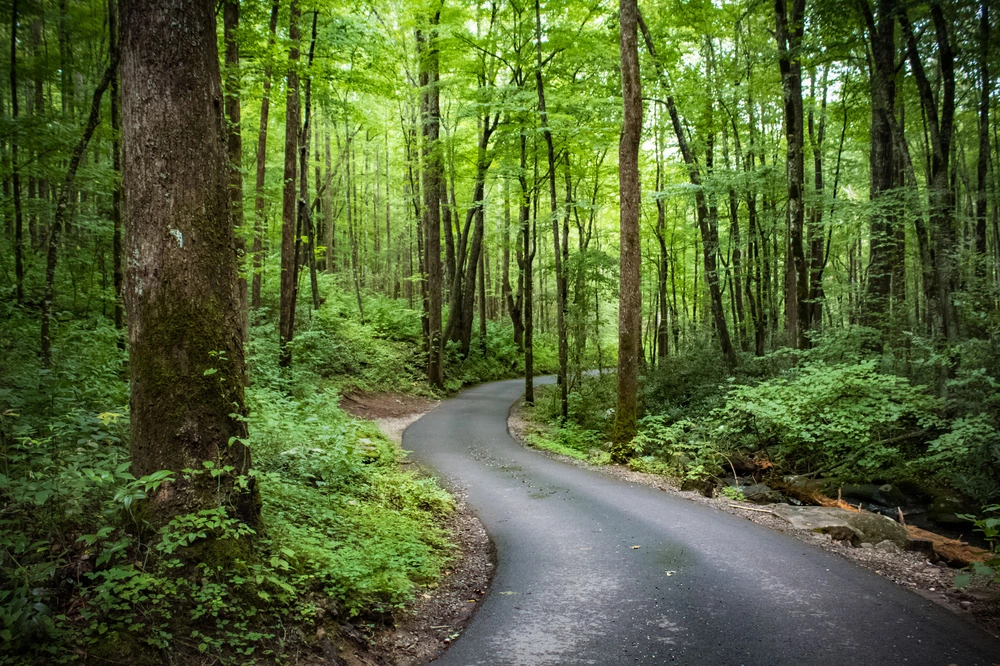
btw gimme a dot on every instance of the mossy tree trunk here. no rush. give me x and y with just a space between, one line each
629 304
182 293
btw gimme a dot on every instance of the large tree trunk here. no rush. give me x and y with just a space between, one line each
629 303
259 202
289 209
433 175
182 285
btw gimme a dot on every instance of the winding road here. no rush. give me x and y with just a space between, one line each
702 587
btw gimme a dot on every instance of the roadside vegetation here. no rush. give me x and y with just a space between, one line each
897 429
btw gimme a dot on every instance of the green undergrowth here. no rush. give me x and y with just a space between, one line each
346 535
383 352
916 415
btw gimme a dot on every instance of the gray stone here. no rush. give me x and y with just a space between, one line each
760 493
888 546
843 525
890 496
867 545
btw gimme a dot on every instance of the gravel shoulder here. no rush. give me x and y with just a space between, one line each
907 569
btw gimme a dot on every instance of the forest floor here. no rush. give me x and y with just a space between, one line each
912 570
437 616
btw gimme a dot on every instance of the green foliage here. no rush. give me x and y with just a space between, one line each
967 457
733 493
988 524
681 448
847 420
345 532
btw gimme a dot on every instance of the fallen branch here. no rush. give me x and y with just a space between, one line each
952 551
751 508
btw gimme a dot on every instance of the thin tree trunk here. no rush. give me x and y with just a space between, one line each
62 207
983 162
789 32
118 276
260 203
560 277
305 210
234 143
15 162
289 210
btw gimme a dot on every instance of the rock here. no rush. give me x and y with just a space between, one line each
706 488
890 496
857 528
944 509
863 492
867 545
760 493
888 546
735 482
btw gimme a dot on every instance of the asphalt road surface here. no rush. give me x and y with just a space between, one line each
702 587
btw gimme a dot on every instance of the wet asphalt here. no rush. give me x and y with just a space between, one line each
595 570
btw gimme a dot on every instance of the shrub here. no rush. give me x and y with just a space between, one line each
846 420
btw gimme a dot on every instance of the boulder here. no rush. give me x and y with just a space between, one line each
890 496
842 525
760 493
706 488
888 547
944 510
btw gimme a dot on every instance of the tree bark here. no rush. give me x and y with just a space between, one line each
983 162
182 286
432 185
289 209
789 32
883 248
234 140
629 303
118 275
15 162
259 201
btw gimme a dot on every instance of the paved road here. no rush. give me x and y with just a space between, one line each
570 587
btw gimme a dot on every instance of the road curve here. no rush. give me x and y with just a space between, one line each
702 587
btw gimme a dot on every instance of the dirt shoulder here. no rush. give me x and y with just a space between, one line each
437 616
909 569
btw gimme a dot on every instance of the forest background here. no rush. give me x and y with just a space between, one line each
426 195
